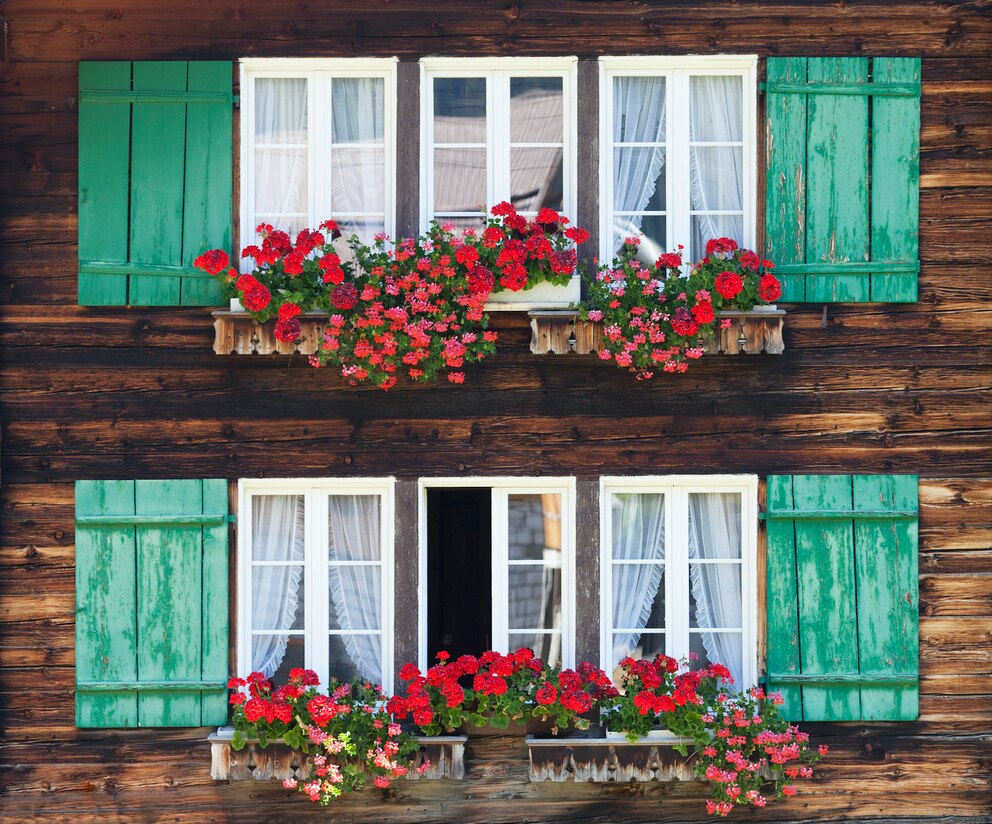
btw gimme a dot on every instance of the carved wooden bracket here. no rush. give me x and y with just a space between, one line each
277 761
238 333
602 761
563 333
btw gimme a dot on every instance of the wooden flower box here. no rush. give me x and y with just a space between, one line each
599 760
277 761
563 333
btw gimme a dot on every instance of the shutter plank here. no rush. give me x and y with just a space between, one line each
157 162
214 706
827 608
837 187
104 151
785 190
782 622
887 584
169 602
895 194
106 629
208 213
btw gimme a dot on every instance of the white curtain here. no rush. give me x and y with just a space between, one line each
715 533
638 535
716 172
358 172
638 117
281 154
277 534
356 591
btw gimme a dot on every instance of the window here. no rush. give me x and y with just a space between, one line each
315 577
318 141
497 557
678 570
494 130
678 153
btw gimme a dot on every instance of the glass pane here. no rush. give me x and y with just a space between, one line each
276 655
356 655
651 229
536 110
353 528
461 222
277 597
356 597
715 596
647 646
638 596
718 648
459 110
357 109
358 180
638 109
638 526
717 177
281 185
277 528
459 180
716 108
707 227
281 110
536 179
714 525
534 528
535 597
639 180
365 227
546 646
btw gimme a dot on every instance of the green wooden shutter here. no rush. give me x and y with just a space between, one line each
155 180
151 603
843 177
842 610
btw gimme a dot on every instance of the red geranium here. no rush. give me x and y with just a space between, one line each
728 284
769 288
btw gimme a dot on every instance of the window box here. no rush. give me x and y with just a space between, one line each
563 333
600 760
277 761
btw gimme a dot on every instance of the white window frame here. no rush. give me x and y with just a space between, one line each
498 71
676 489
320 73
677 71
502 487
316 567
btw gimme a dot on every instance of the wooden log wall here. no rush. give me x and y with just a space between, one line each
139 393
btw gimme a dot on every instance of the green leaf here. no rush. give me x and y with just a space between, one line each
478 719
238 741
500 720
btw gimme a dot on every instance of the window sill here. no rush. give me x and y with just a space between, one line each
277 761
610 759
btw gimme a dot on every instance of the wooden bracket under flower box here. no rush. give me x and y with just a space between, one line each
599 761
238 333
562 333
446 754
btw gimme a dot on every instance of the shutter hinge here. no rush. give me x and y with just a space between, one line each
236 101
231 519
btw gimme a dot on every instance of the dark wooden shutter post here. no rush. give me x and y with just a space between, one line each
842 189
842 623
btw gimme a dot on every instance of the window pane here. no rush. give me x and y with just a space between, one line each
459 180
357 109
535 597
717 177
534 528
535 179
647 646
277 597
546 646
638 596
716 108
652 231
281 110
714 596
638 109
355 597
275 655
536 110
277 523
365 227
639 179
461 222
358 180
459 110
353 528
356 655
281 188
638 526
707 227
718 648
714 525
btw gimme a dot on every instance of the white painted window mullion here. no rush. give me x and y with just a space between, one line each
318 580
679 222
498 136
500 570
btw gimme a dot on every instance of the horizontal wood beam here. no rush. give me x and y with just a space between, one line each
142 686
850 267
838 514
870 89
152 520
123 96
99 267
904 679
